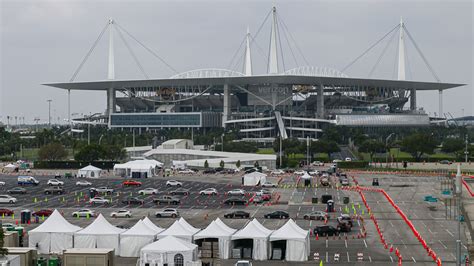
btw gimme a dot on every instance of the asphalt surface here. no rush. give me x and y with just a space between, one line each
349 249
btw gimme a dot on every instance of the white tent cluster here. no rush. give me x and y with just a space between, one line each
89 171
143 168
254 178
157 245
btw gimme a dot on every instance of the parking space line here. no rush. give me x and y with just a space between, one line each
348 259
327 255
391 258
449 232
413 259
370 258
365 244
445 247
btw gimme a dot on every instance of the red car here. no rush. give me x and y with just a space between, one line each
45 212
131 183
6 212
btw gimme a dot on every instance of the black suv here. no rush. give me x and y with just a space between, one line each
209 171
235 201
237 214
326 230
54 190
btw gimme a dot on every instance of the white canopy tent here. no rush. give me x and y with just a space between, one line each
52 236
99 234
152 226
297 241
135 238
89 171
217 229
254 179
259 234
180 229
169 250
141 167
306 176
10 167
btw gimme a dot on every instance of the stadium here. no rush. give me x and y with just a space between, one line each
296 103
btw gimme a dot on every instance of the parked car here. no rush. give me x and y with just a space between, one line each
165 199
121 214
316 215
2 183
348 159
83 213
326 230
228 171
336 161
43 212
54 190
269 184
237 214
7 199
375 182
243 263
445 162
104 190
324 181
300 172
133 200
148 191
318 163
236 192
344 182
251 170
313 172
6 212
208 191
83 183
263 192
277 215
186 171
345 218
168 212
17 190
256 199
180 191
344 226
209 171
173 183
99 200
131 183
235 201
277 172
27 180
55 182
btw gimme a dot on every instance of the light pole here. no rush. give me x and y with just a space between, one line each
281 154
466 153
386 147
458 201
49 112
307 151
222 142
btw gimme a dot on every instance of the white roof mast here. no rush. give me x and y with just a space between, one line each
248 56
111 68
273 58
401 52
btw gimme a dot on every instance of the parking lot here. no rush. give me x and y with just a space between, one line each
347 248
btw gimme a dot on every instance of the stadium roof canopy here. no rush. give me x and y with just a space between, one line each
254 80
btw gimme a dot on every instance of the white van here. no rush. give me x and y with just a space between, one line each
27 180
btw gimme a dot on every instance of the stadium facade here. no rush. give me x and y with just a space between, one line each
293 103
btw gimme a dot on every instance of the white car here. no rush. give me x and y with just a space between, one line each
121 214
348 159
263 192
300 172
269 184
236 192
336 161
148 191
243 263
83 183
99 200
7 199
208 191
313 173
2 183
186 171
83 213
173 183
277 172
318 163
168 212
55 182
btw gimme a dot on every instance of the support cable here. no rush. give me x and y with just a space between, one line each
422 55
289 45
381 55
293 39
148 49
279 42
370 48
235 54
133 54
88 53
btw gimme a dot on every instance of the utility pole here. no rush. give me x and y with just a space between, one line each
222 142
281 154
458 217
49 112
307 151
88 134
466 153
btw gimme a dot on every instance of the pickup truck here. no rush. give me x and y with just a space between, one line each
104 190
54 190
167 200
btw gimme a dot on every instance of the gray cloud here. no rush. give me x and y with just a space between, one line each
44 41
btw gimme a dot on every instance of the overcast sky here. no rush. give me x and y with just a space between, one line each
45 41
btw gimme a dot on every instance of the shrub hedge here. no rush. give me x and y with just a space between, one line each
72 164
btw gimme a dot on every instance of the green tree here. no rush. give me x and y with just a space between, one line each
52 152
222 164
451 145
114 153
324 146
418 144
237 164
372 147
90 153
206 164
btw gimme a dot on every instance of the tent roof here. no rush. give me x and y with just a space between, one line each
100 226
152 226
215 230
306 175
255 174
56 224
178 229
140 229
169 243
90 168
290 230
253 229
10 165
139 164
188 226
